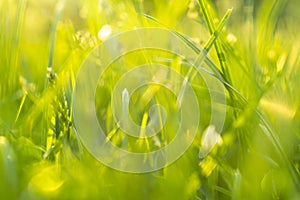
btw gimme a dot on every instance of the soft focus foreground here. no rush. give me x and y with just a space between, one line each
256 155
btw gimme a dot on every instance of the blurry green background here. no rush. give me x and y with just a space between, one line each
42 45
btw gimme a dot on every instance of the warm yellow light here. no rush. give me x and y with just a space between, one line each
278 108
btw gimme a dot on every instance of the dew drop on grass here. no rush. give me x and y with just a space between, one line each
231 38
104 32
209 139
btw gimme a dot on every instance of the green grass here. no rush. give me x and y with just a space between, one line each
255 56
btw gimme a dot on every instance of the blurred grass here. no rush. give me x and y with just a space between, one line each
40 155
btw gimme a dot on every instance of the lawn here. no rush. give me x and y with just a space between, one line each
149 99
